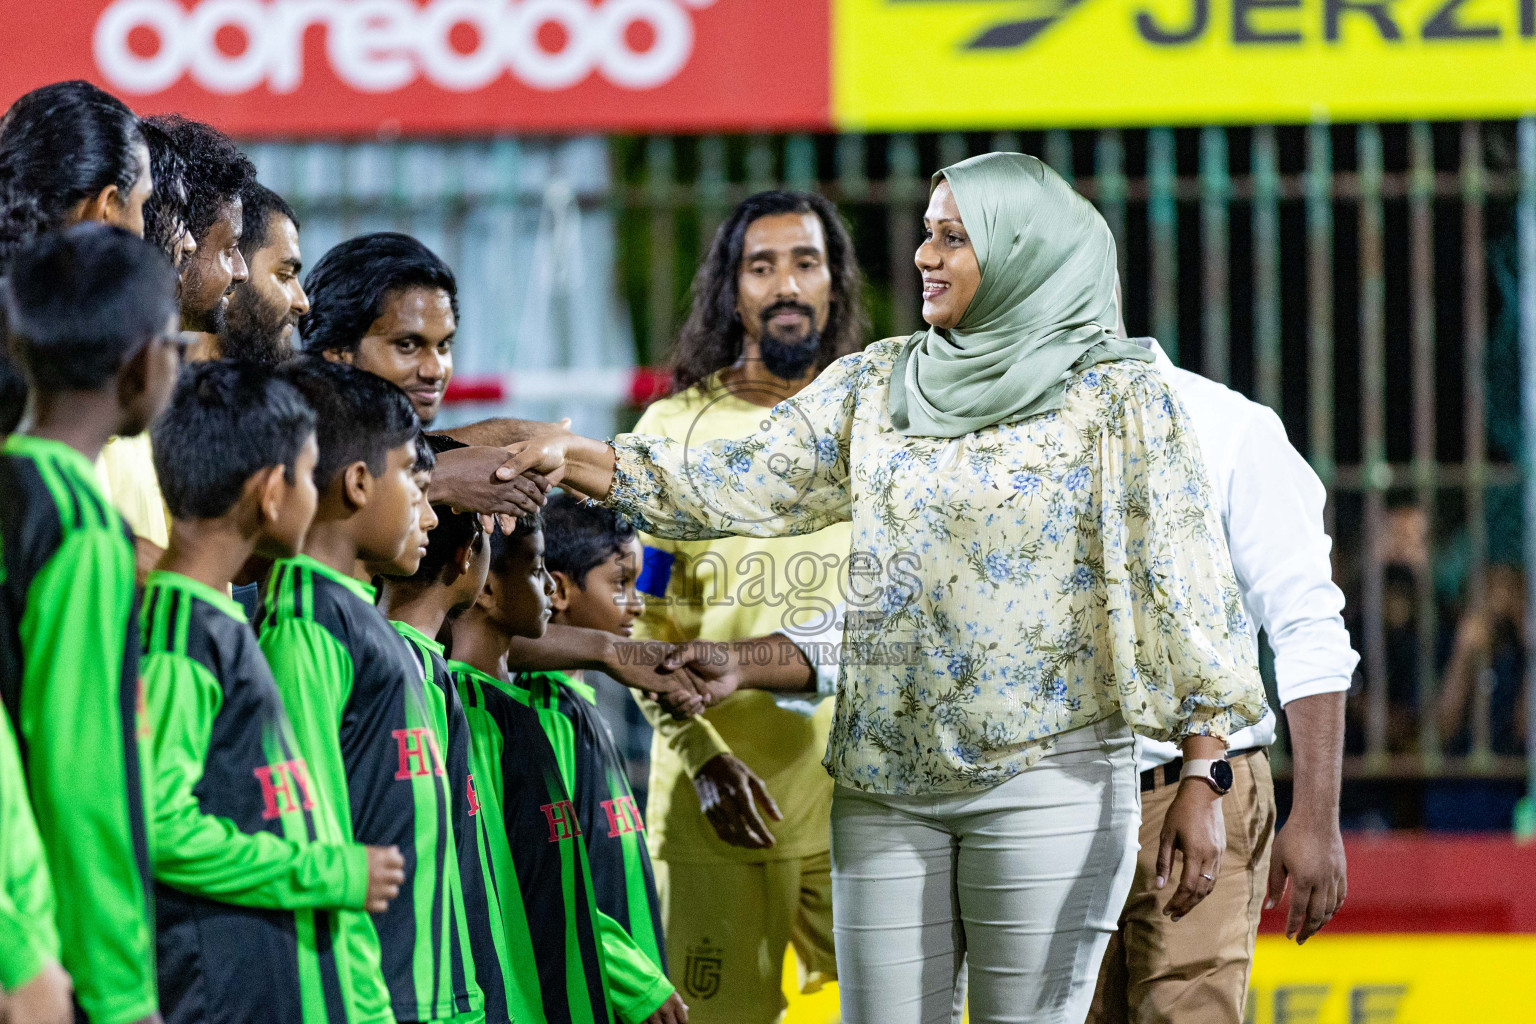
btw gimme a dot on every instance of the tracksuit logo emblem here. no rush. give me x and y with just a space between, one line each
701 972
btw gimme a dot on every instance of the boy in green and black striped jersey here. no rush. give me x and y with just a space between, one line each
33 984
259 898
354 688
92 314
446 581
418 612
593 554
535 863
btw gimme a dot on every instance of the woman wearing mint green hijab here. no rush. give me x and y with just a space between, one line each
1036 571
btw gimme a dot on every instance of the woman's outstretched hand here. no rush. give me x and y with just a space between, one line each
580 463
543 455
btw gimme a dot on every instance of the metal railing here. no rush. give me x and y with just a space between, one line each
1361 280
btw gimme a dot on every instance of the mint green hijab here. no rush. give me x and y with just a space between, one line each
1045 308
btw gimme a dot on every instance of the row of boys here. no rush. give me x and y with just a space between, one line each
321 818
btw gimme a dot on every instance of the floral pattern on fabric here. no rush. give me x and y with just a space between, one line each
1004 587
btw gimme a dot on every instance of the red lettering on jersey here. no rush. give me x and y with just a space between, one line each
474 798
623 816
437 753
275 794
277 781
412 744
300 773
562 820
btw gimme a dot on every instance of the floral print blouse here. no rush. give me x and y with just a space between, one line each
1003 587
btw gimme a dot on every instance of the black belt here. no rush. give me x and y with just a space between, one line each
1172 769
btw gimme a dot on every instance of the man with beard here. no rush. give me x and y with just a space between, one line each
777 300
217 177
194 216
264 310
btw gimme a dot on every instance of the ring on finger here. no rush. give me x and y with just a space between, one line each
1208 878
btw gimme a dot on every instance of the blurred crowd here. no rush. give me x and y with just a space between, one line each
1454 742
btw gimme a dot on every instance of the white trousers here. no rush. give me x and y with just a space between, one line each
1025 881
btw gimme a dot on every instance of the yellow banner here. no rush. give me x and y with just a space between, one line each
915 64
1394 979
1352 979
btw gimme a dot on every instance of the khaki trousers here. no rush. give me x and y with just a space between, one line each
1194 971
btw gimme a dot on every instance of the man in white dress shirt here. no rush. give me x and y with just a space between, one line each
1195 971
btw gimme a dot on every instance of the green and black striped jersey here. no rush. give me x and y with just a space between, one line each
614 829
535 863
69 681
487 944
29 938
252 871
355 692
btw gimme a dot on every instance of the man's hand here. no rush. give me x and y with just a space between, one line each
673 1011
637 665
713 669
480 480
43 1000
386 874
1310 854
1193 827
730 794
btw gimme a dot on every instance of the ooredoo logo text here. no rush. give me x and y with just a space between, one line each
379 46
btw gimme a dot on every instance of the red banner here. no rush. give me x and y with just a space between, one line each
287 68
1411 882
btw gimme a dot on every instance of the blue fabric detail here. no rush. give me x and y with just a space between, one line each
655 571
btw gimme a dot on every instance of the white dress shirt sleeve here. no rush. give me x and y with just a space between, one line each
824 650
1280 555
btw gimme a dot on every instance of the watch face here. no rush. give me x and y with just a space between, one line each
1221 774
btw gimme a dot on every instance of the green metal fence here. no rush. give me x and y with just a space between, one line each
1359 279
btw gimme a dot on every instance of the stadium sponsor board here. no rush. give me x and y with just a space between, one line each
362 67
902 64
1393 979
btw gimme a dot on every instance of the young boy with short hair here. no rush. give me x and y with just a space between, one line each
258 895
415 548
593 555
92 315
447 580
354 686
535 863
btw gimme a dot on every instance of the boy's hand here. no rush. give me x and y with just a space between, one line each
673 1011
386 874
477 479
43 1000
730 794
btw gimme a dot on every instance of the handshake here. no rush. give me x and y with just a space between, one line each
683 678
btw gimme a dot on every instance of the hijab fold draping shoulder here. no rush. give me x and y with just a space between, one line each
1045 308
